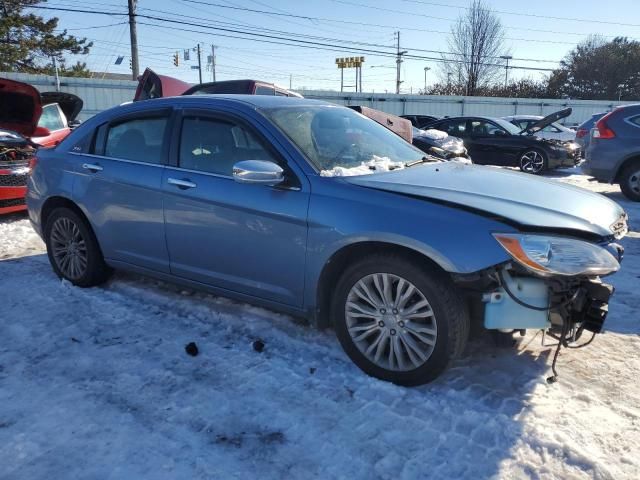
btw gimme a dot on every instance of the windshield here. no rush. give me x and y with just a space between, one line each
340 141
508 126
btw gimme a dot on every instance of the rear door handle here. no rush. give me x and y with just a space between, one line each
93 167
182 184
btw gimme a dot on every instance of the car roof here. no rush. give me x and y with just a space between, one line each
470 117
524 117
258 101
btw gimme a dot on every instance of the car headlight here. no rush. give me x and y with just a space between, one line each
548 255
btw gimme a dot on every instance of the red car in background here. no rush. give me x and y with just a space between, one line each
152 85
28 120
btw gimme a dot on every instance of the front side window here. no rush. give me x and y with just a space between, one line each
139 139
215 146
338 138
481 128
51 118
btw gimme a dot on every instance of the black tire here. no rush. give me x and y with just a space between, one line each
449 312
95 270
537 170
630 181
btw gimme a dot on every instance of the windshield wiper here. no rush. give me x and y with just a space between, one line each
425 159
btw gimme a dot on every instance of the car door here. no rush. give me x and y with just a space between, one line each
245 238
119 185
490 144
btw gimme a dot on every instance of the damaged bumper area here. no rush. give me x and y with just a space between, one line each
553 284
15 155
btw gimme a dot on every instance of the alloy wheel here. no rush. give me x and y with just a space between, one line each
532 162
391 322
68 248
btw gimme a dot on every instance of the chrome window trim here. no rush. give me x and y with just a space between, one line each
136 162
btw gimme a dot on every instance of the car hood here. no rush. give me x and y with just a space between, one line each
523 199
70 104
21 107
548 120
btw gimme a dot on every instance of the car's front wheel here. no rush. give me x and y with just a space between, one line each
630 181
399 321
533 161
73 249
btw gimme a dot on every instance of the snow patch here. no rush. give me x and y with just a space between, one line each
434 134
375 165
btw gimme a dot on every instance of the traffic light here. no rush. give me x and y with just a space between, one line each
176 59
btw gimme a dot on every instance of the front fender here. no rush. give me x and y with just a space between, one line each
341 215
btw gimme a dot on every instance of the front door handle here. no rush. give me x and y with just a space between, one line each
182 184
93 167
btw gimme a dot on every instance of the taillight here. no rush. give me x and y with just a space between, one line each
582 132
33 161
602 130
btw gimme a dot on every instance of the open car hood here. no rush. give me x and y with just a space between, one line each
70 104
151 85
523 199
548 120
21 107
398 125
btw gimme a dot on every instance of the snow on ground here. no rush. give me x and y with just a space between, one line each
95 383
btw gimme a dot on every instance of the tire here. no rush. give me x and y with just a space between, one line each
73 250
630 181
533 161
443 321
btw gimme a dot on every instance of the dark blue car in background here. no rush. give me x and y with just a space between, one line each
315 210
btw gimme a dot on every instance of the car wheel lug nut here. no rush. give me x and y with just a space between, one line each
383 311
401 323
393 332
381 324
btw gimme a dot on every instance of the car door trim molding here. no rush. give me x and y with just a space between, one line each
135 162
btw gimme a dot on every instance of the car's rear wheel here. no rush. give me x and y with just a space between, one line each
533 161
73 249
630 181
399 321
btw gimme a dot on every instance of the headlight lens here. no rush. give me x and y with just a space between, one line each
547 255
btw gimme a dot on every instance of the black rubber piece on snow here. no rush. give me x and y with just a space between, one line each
191 348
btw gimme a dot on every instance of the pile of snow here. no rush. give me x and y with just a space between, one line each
375 165
434 134
95 383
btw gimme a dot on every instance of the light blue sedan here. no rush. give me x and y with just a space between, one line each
315 210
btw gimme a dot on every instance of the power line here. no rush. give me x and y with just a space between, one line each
534 15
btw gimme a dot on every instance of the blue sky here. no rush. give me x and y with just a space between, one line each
423 25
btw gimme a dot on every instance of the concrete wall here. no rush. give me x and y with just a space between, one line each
100 94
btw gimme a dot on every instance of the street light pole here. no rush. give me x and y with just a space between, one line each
426 69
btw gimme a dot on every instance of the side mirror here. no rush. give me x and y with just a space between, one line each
74 123
258 171
41 132
500 133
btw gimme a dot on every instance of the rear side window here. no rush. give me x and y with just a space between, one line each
137 139
51 117
455 128
264 90
214 146
635 120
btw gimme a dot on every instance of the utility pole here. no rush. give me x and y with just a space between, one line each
55 69
506 69
135 69
398 62
426 69
199 64
290 81
449 82
213 61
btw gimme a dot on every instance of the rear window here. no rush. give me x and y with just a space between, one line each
138 139
635 120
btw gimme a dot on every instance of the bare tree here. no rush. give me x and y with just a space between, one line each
476 45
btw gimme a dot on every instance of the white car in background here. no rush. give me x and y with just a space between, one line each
554 131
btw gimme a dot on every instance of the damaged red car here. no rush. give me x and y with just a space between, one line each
28 120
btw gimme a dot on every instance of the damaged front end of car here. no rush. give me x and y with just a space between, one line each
16 153
553 284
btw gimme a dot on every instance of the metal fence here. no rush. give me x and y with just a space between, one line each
100 94
442 105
